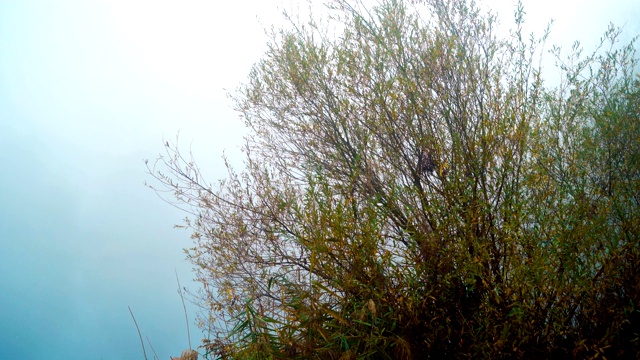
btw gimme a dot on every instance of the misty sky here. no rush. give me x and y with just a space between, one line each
88 89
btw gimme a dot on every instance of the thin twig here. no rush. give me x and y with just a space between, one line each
155 356
139 334
186 318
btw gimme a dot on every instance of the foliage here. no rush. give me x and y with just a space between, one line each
414 189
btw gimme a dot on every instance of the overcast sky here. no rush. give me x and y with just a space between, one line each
88 89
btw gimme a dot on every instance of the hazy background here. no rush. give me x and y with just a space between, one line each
88 89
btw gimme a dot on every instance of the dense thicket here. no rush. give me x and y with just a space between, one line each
413 188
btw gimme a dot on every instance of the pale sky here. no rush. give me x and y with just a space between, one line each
88 89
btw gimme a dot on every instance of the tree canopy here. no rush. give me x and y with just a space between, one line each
414 188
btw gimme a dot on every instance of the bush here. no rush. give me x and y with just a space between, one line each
414 189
